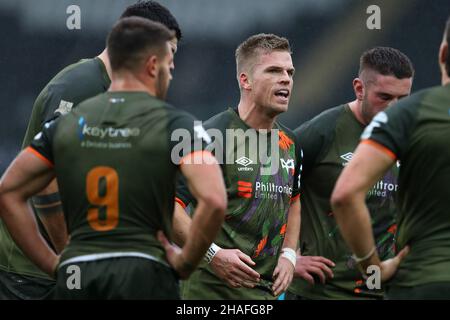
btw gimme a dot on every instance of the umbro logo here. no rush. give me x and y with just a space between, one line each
244 161
348 156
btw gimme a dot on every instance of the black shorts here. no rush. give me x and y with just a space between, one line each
430 291
116 278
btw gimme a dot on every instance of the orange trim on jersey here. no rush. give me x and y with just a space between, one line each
284 141
380 147
295 198
180 202
244 195
283 229
244 183
40 156
193 153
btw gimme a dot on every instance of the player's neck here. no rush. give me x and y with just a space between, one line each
105 59
253 117
445 79
129 82
356 108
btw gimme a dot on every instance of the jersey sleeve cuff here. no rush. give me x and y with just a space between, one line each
294 198
380 147
40 156
180 202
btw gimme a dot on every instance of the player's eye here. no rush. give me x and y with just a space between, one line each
274 70
385 97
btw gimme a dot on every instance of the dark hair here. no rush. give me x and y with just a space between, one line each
387 61
153 11
447 38
260 42
132 40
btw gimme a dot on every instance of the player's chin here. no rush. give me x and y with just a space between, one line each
280 107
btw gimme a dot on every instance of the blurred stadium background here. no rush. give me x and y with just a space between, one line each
327 36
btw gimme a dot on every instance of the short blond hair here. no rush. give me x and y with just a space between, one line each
257 44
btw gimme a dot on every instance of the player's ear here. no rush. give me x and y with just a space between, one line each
443 54
152 66
358 87
244 81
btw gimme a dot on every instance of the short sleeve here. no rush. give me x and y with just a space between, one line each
187 136
183 195
42 143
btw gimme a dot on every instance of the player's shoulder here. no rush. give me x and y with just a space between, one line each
435 91
325 122
408 107
179 119
78 81
77 70
287 131
431 95
177 113
221 120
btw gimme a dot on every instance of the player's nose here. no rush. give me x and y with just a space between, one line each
285 78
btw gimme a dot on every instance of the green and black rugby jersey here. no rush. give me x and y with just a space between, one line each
328 142
72 85
417 131
113 160
68 88
258 201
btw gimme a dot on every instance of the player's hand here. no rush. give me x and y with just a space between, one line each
307 266
175 258
389 267
283 274
234 267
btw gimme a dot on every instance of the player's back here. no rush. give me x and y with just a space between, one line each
417 131
115 174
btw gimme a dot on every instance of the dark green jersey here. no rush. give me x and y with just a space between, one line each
328 142
69 87
258 201
417 131
72 85
116 177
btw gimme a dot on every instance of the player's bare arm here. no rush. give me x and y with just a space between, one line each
231 265
206 184
352 215
26 176
49 208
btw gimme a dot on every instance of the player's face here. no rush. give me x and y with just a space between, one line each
271 81
381 92
165 73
